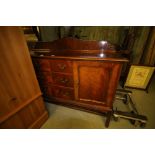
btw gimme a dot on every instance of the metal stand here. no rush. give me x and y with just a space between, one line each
134 117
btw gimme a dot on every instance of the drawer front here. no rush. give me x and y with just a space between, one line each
61 66
63 80
64 93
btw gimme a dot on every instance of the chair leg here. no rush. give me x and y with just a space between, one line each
109 114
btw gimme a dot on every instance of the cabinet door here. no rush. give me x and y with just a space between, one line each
96 82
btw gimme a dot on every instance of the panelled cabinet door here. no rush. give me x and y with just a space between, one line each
96 82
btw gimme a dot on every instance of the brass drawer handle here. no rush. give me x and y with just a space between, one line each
64 80
62 66
66 93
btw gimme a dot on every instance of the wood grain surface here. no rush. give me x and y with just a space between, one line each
20 97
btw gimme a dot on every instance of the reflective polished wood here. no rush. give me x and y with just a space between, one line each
78 73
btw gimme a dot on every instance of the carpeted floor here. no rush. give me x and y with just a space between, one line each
61 117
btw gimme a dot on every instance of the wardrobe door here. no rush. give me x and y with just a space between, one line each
21 103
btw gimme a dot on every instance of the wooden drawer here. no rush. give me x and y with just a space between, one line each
61 66
65 93
63 79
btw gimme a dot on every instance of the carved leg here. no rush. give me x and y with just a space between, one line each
109 114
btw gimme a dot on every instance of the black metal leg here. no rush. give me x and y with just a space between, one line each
134 117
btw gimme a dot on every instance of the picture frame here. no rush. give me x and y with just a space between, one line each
139 77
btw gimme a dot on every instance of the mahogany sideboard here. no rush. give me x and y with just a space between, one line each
81 74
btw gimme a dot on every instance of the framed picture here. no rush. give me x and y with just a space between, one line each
139 76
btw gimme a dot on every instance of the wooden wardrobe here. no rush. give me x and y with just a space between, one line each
21 102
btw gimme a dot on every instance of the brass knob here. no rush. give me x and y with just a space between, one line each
66 93
62 66
64 80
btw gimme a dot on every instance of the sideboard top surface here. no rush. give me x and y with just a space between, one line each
71 48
